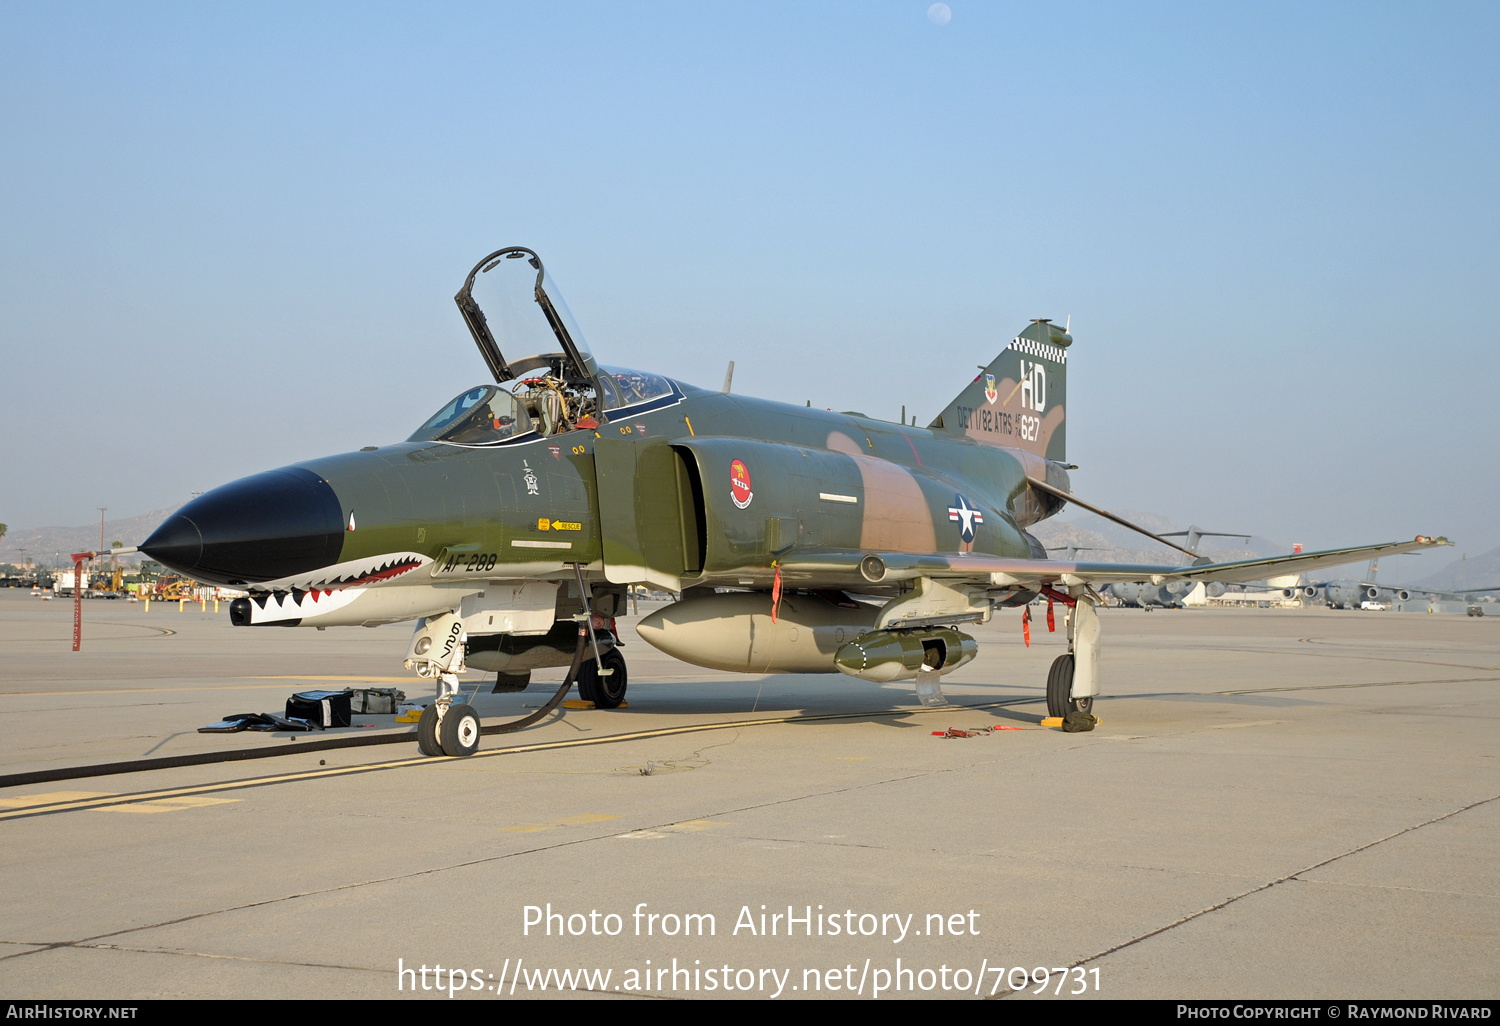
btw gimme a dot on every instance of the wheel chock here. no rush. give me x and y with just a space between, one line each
1057 721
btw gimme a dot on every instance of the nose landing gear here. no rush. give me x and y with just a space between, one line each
449 727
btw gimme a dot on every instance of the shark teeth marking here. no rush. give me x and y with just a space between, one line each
385 572
357 573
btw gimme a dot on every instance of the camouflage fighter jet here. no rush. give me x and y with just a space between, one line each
510 525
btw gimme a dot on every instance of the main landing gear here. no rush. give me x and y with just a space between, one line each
607 690
1073 680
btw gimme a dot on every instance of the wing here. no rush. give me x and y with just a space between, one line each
851 568
1456 592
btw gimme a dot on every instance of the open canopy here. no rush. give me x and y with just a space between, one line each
525 313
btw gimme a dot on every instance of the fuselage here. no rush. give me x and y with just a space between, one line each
754 480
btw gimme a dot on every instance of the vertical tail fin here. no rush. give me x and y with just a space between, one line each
1018 400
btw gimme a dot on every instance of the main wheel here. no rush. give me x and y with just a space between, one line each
609 692
1059 685
460 731
585 682
427 732
1060 689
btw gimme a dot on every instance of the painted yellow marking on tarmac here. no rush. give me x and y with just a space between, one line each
382 680
187 801
70 805
63 692
51 797
691 826
1235 726
68 692
551 824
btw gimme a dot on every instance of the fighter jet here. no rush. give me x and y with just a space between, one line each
511 523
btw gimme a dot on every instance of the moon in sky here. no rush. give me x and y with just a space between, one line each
939 14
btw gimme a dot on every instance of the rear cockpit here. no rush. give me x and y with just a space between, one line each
510 299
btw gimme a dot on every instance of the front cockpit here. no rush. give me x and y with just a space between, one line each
483 415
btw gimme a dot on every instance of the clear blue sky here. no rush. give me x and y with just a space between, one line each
235 232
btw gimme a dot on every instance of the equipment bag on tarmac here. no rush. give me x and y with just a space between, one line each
377 701
322 708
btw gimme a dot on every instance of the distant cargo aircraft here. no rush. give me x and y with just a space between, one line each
1148 595
1354 594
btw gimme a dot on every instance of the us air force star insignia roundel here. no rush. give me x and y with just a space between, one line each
966 516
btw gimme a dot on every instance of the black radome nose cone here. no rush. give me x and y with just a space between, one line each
176 543
259 528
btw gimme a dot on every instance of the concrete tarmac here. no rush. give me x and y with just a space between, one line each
1277 804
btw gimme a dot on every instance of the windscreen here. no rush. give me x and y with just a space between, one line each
483 415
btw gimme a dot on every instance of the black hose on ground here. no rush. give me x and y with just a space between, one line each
554 701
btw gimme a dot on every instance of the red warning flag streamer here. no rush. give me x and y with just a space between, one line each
1026 625
775 590
1051 623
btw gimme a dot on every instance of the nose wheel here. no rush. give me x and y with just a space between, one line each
428 742
459 732
454 733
